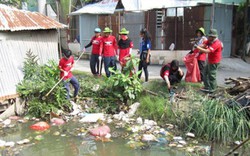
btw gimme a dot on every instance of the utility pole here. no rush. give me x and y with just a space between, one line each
212 15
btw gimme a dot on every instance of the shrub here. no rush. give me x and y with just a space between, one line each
38 80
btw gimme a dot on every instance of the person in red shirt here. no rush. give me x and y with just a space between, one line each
125 46
171 73
214 49
65 65
95 60
201 57
109 50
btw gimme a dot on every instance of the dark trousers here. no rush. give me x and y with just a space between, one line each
210 74
144 65
109 62
175 78
73 81
94 64
201 65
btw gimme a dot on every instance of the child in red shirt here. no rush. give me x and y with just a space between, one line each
65 65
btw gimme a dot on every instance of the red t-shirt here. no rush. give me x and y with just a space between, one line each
96 45
109 46
215 54
165 71
66 65
124 46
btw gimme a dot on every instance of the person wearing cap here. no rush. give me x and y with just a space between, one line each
214 49
65 65
97 46
171 73
109 50
201 57
125 46
145 47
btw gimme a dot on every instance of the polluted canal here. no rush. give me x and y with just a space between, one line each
84 135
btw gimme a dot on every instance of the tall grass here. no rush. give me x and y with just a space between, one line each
217 121
156 108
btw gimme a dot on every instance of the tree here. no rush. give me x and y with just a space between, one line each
15 3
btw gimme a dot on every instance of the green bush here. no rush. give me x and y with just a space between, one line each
38 80
125 85
216 121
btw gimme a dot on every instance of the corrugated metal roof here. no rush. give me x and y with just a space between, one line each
12 19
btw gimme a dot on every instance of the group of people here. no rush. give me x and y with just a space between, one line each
209 49
106 49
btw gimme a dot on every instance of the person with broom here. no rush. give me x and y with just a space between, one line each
65 65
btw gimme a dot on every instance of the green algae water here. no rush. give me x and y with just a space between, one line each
61 141
67 140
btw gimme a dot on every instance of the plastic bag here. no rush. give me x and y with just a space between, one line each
193 71
40 126
100 131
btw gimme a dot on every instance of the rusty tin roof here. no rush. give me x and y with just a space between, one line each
12 19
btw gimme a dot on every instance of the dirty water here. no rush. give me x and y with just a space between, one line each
72 139
60 141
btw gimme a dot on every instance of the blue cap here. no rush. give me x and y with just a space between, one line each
97 30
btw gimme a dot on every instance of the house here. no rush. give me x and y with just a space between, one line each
168 21
21 31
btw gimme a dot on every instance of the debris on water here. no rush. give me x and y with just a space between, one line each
237 142
182 142
191 135
2 143
108 136
22 121
170 126
10 144
63 135
135 144
24 141
94 117
177 138
101 131
179 146
172 145
6 122
148 137
139 121
14 117
76 108
56 133
39 137
57 121
40 126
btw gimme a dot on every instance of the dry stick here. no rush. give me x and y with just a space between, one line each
241 144
149 91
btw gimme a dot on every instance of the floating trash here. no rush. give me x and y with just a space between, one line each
40 126
39 137
100 131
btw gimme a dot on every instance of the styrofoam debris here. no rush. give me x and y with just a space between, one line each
94 117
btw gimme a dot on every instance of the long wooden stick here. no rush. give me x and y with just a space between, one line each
234 149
